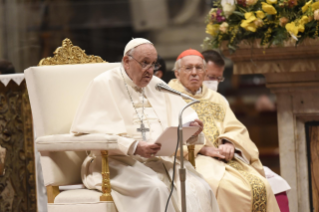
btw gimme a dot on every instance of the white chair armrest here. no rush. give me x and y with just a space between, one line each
70 142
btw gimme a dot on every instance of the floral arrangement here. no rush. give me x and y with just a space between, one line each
271 21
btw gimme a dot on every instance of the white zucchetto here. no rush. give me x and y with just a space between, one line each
134 43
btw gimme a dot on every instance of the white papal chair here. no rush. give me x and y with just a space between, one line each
55 89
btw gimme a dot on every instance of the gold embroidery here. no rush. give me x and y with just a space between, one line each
209 112
259 192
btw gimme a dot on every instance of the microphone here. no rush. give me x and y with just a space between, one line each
164 87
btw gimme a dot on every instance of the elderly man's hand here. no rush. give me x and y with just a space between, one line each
199 123
227 149
212 152
147 150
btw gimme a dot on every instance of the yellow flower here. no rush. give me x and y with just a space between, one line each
304 20
305 7
292 29
268 8
250 16
212 29
249 24
315 6
271 1
298 26
260 14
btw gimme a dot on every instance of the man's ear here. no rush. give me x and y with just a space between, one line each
126 60
159 74
176 74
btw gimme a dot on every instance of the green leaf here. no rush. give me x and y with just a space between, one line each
239 14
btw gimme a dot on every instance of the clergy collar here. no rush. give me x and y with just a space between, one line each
129 81
199 91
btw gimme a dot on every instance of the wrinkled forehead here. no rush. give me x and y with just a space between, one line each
192 60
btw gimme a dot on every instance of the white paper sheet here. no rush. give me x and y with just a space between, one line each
169 137
188 119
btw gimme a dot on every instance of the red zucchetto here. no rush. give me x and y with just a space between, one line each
189 52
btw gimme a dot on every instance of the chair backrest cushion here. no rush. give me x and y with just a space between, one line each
56 91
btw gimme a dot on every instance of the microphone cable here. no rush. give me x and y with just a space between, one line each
173 176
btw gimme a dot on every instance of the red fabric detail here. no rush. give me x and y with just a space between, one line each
190 52
282 201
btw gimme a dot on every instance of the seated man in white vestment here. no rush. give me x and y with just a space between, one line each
229 160
124 102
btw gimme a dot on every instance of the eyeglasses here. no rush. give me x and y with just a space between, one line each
219 79
146 66
189 69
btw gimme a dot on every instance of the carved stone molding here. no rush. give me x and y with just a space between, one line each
254 59
69 54
17 185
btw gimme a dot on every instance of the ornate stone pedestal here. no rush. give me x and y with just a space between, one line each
293 75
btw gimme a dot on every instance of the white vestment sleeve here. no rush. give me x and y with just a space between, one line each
126 145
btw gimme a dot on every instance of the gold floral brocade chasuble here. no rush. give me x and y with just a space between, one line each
259 192
218 125
209 112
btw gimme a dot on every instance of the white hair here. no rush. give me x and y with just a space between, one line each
178 64
130 52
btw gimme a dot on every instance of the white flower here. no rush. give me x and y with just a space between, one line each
293 36
316 15
231 2
228 9
223 27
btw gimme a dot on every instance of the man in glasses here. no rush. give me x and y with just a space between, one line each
215 66
229 160
124 102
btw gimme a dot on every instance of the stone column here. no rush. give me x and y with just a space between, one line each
11 33
19 37
2 22
293 75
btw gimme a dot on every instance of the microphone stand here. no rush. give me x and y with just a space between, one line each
182 172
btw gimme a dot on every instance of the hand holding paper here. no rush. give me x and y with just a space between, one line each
146 149
168 139
198 123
